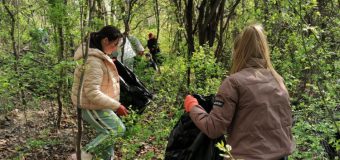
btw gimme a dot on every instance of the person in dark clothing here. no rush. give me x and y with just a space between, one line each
153 47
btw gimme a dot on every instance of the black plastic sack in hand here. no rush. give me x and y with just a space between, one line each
132 91
187 142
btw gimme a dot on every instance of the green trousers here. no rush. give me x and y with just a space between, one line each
108 126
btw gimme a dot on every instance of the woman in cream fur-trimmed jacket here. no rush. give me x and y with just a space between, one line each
99 97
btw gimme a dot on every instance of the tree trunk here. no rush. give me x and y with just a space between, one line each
214 23
266 11
126 27
208 19
85 55
100 10
220 43
15 50
127 21
200 21
179 19
113 11
108 11
89 16
157 18
61 76
191 46
219 47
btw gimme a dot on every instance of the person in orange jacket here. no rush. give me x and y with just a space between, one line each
251 106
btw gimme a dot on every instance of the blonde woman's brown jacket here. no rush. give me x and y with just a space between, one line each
254 112
101 81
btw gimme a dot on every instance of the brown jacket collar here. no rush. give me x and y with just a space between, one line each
256 63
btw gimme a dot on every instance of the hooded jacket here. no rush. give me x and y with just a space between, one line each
100 88
254 111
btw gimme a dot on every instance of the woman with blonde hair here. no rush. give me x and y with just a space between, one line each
252 105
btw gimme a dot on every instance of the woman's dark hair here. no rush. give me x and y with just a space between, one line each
111 32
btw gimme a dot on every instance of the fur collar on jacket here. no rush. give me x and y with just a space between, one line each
91 52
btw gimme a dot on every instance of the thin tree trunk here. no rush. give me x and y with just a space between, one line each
219 47
127 21
180 21
91 8
113 11
220 43
107 10
157 18
208 19
15 49
61 57
127 29
100 10
79 117
200 20
129 5
214 23
191 47
12 32
85 55
158 26
266 11
61 75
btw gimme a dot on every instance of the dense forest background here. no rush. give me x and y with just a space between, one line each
38 39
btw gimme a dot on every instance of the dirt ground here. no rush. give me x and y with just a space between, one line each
32 135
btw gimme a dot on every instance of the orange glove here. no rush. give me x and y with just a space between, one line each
122 111
190 102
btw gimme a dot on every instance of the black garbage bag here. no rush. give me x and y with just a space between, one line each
187 142
132 91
